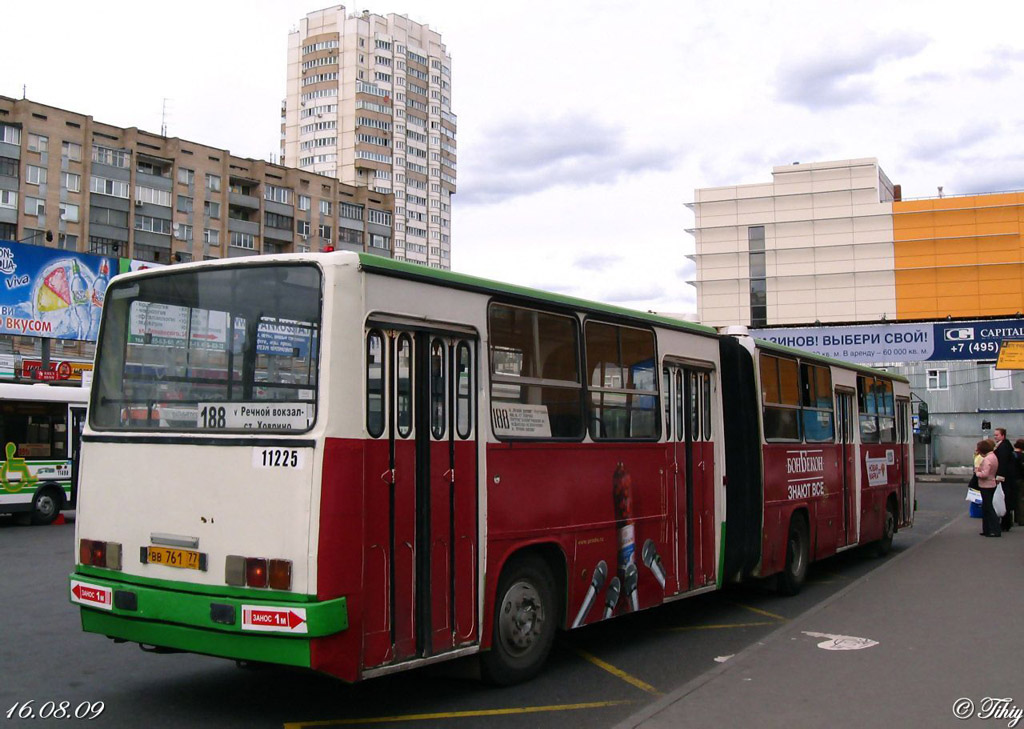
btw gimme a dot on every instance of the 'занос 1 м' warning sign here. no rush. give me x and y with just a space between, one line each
515 420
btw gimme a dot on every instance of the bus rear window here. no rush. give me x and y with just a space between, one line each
214 349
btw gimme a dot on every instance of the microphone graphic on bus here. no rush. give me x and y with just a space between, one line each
611 597
650 556
630 583
596 583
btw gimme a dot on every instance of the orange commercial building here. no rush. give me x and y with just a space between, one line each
959 256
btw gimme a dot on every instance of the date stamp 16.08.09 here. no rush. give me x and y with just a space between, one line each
33 709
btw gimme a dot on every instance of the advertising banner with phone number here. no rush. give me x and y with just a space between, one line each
919 342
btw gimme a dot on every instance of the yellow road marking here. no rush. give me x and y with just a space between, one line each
759 611
455 714
723 626
618 673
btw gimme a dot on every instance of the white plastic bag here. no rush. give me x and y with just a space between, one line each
999 501
973 495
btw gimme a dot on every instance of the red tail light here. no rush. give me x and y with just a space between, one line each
99 554
255 572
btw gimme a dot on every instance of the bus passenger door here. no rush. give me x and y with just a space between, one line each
903 462
420 514
692 452
845 439
446 487
701 473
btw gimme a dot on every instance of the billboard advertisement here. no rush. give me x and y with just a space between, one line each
917 342
46 292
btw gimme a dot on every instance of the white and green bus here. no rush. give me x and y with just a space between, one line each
359 466
40 431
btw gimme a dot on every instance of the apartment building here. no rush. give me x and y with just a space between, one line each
71 182
368 101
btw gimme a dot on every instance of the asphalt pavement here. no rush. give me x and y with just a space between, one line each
934 637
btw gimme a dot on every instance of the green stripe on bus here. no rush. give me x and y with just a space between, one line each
188 609
119 579
248 647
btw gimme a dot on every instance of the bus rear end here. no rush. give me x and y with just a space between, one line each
196 525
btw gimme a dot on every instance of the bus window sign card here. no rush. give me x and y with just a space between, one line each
515 420
255 415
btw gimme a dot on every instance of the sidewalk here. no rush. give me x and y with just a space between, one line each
946 618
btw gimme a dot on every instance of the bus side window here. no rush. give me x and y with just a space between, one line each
695 399
622 381
706 414
375 384
666 389
868 410
463 391
780 393
535 369
438 390
680 416
403 396
816 401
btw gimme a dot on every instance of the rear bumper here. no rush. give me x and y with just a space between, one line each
238 627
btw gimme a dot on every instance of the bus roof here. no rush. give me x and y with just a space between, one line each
414 271
42 392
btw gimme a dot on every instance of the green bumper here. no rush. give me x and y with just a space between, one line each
242 627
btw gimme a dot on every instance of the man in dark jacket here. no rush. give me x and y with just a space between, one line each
1008 472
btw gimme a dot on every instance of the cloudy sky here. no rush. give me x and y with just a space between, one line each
584 125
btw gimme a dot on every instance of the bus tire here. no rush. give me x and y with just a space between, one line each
884 545
798 556
46 505
525 619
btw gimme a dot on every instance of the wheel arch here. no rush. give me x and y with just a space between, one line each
800 510
553 555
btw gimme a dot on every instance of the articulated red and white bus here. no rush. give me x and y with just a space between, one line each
359 466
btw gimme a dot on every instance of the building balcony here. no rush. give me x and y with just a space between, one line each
244 201
278 234
243 226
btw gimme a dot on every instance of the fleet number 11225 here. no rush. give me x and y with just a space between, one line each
277 458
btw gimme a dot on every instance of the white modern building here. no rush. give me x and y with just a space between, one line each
369 102
814 244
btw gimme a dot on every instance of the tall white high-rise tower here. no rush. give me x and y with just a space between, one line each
369 102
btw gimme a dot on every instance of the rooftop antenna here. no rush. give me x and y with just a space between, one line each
24 90
163 119
940 190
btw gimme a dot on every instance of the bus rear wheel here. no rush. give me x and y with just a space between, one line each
46 505
798 555
525 618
